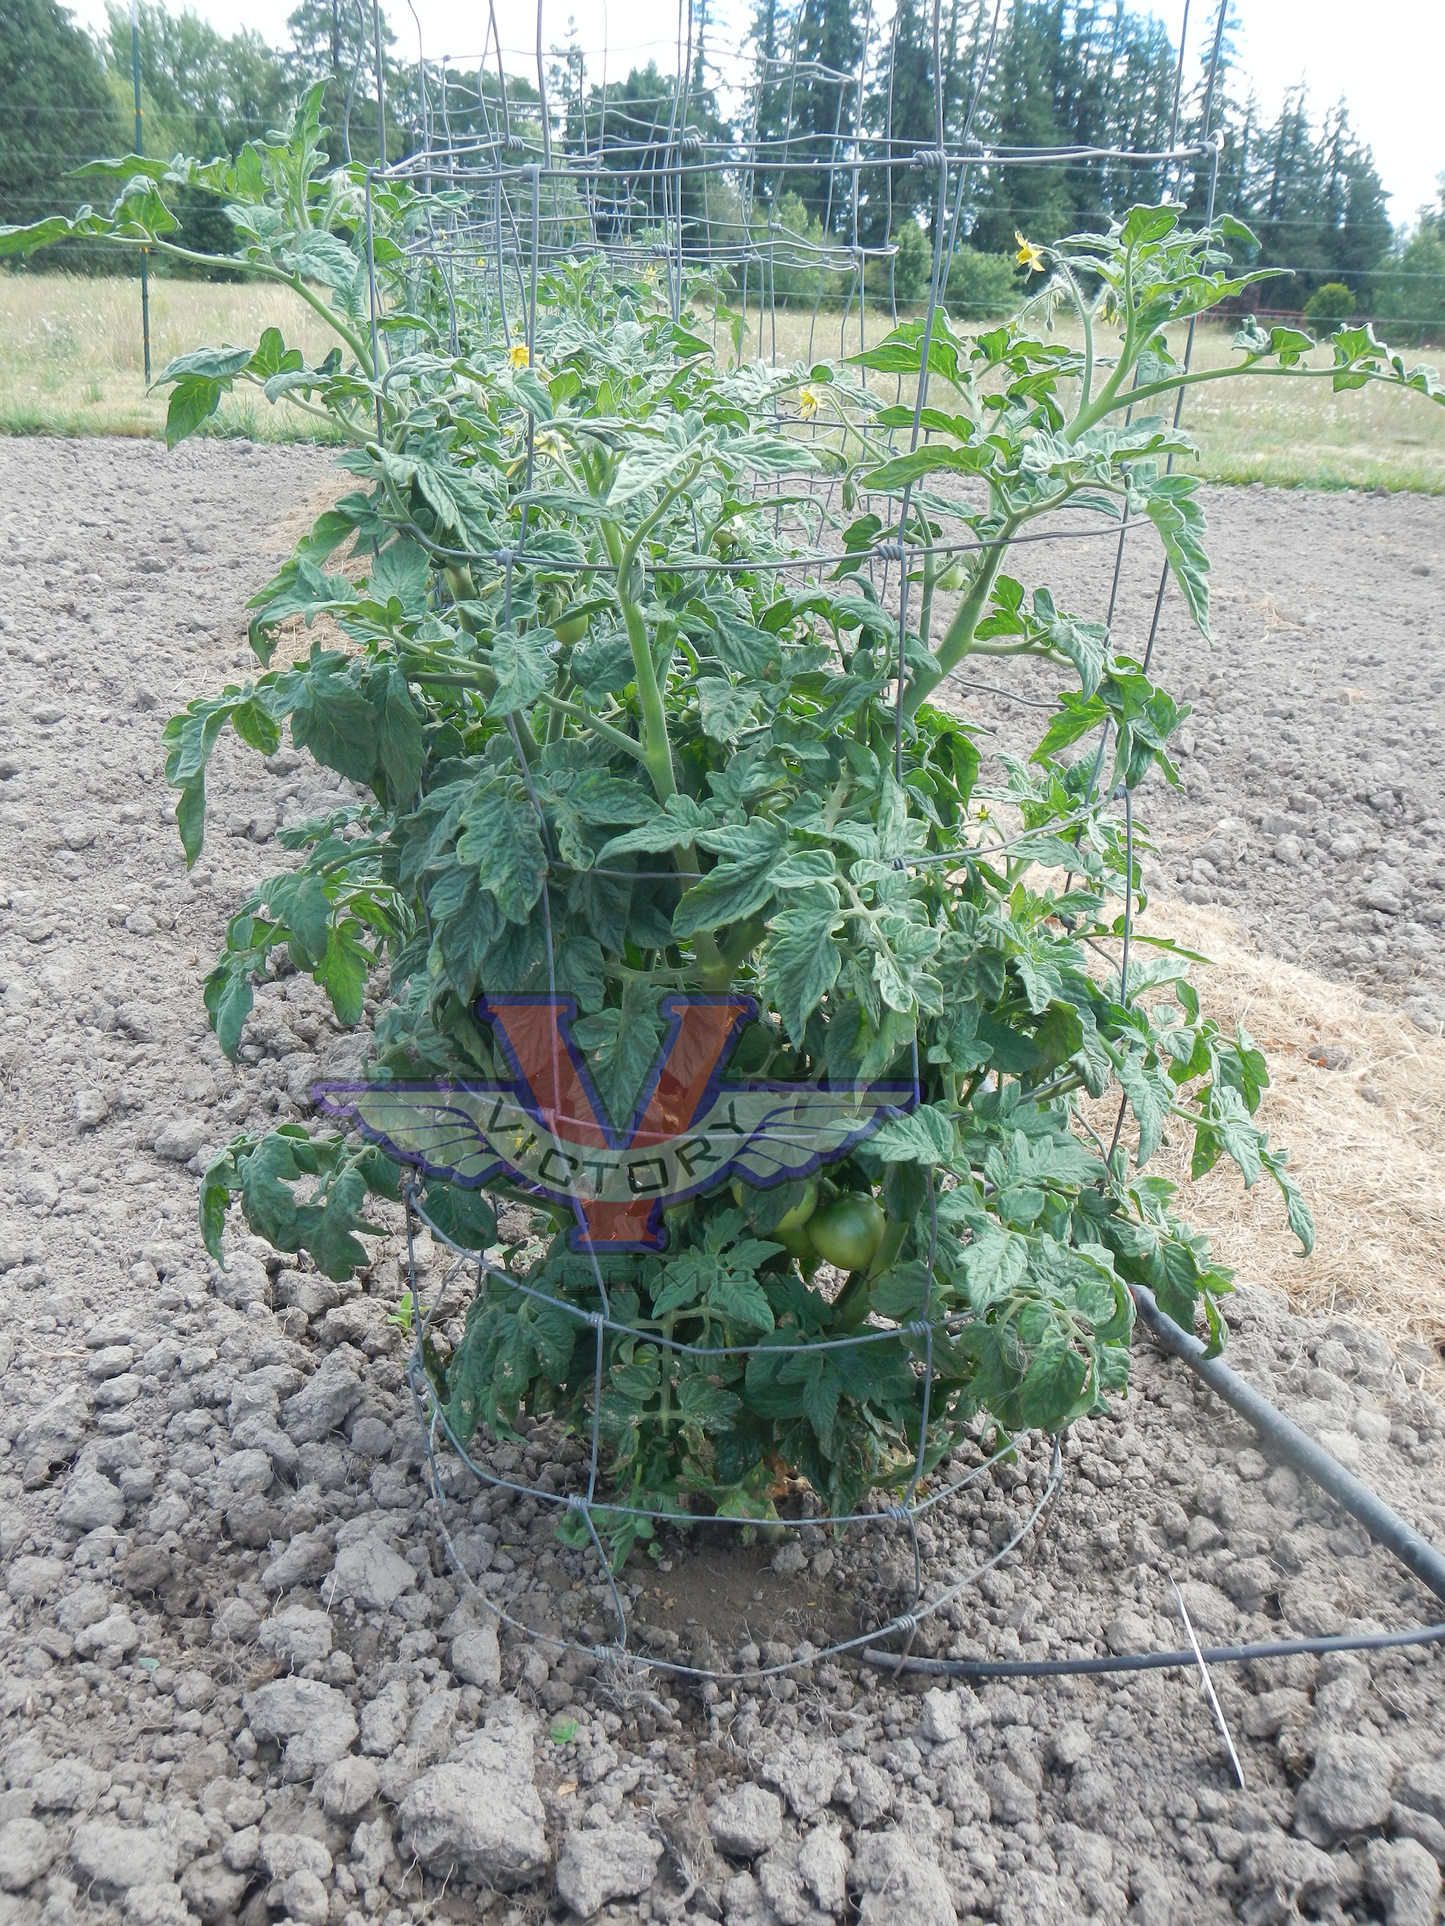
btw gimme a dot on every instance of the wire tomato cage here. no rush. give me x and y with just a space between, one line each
517 193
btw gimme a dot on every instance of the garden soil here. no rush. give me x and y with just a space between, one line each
240 1677
1312 802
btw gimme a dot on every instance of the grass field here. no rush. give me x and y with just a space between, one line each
71 360
70 364
1286 432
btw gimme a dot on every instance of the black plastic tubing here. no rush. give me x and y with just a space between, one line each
1296 1447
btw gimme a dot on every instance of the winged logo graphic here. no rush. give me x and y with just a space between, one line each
546 1129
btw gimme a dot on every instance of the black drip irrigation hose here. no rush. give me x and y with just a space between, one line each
1298 1449
1154 1661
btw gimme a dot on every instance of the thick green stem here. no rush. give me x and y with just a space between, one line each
1103 403
1039 649
958 639
1148 390
656 744
438 679
656 748
232 262
279 275
605 730
1090 411
746 936
624 555
850 1306
328 315
925 606
890 1244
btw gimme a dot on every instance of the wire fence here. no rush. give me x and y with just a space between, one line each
592 1509
703 214
719 215
714 217
636 183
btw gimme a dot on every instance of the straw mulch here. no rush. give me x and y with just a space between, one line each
1358 1096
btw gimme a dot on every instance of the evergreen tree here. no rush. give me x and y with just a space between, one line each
638 130
821 90
1317 204
901 103
1063 73
1412 290
763 127
1020 110
1236 122
58 113
334 41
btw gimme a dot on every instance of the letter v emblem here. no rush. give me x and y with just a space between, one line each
556 1088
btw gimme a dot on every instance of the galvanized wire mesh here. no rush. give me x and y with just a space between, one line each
636 183
590 1507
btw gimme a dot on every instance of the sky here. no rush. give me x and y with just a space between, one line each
1389 72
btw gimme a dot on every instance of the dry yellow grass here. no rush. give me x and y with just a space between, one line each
71 359
70 363
1273 429
1367 1140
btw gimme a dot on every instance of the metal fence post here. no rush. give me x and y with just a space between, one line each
145 296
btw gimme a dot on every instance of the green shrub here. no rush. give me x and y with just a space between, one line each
1416 301
912 265
1332 302
981 286
798 262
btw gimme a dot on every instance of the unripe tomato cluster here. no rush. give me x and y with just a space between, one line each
845 1233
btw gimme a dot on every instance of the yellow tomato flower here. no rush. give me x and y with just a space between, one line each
521 356
807 404
1029 256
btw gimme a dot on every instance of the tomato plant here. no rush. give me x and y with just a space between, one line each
624 735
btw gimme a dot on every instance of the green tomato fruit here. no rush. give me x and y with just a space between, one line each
848 1233
795 1219
796 1244
570 628
792 1220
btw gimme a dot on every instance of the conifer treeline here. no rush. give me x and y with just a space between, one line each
834 83
819 89
1065 73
